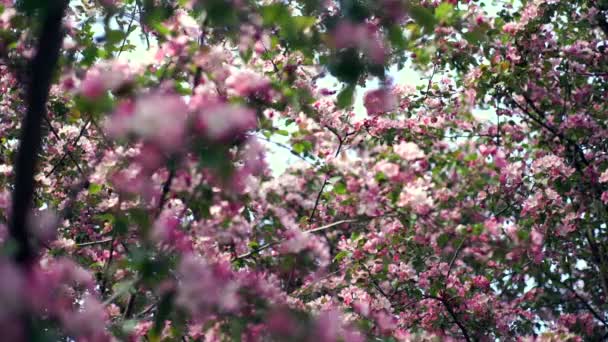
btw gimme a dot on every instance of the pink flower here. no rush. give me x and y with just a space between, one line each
167 230
385 321
296 242
327 327
364 37
510 28
554 165
159 119
221 121
88 322
12 285
142 328
44 225
215 280
604 177
379 101
248 83
253 156
481 282
409 151
93 86
416 196
105 77
5 199
604 197
391 170
6 16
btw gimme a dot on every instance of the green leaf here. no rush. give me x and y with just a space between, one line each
478 229
423 17
164 310
347 66
246 55
523 235
443 240
114 36
396 37
94 188
444 11
340 188
220 12
303 22
274 13
107 217
299 147
346 96
121 225
340 256
474 36
471 157
140 217
162 29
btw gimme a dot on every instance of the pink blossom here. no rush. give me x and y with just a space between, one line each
416 196
105 77
408 151
222 121
6 16
379 101
157 118
554 165
247 83
215 280
391 170
604 197
604 177
88 322
510 28
481 282
364 37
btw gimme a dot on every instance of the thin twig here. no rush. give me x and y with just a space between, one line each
286 148
316 230
326 180
104 282
93 243
460 245
464 330
146 310
165 191
130 305
124 290
124 41
67 151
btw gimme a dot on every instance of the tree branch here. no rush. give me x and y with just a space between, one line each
165 191
93 243
464 330
338 150
316 230
458 249
41 70
68 152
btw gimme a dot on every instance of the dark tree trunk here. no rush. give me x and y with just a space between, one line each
41 72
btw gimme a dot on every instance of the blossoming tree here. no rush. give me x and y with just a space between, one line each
137 201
